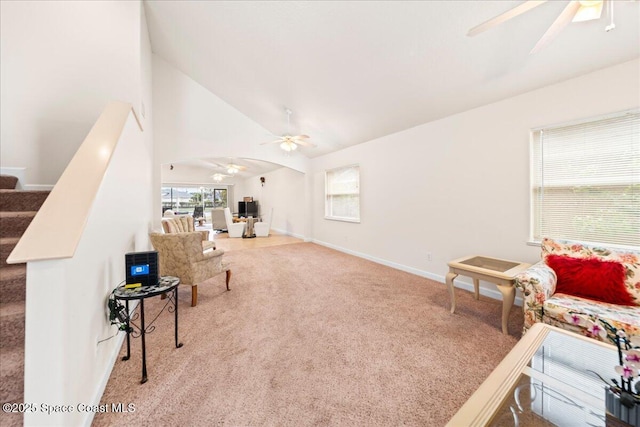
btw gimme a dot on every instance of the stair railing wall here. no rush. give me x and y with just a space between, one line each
100 209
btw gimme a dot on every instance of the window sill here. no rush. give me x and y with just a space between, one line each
333 218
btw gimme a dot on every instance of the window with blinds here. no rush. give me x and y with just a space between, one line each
586 181
342 191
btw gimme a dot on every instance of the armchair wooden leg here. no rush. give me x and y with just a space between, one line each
228 278
194 295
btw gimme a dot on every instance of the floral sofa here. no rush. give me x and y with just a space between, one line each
586 316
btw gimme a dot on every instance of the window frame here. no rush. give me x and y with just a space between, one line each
327 206
536 164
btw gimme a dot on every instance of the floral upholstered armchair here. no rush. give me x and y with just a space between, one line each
580 288
181 255
184 224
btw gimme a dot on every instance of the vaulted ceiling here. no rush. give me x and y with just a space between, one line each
358 70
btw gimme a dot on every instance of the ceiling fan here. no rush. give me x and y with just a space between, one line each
575 11
233 168
290 142
218 177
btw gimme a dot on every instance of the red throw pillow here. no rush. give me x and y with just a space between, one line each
591 278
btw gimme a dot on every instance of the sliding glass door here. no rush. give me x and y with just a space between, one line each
184 199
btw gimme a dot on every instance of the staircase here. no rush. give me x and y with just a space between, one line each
17 209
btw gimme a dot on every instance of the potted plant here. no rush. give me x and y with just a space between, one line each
623 396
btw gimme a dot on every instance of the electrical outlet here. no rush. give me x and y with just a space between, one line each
429 257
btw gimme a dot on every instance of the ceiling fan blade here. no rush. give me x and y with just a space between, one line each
518 10
271 142
235 166
305 143
301 137
561 21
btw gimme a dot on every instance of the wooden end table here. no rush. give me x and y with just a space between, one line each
494 270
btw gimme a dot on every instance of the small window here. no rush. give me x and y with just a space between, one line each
586 181
342 190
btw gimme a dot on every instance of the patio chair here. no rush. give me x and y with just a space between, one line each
198 212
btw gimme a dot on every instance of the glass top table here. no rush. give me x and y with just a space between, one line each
548 379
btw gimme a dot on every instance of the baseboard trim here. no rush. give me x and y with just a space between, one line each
296 235
107 374
37 187
20 174
461 284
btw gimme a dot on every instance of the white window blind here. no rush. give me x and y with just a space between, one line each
586 181
342 190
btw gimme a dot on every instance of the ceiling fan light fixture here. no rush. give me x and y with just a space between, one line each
232 170
589 3
218 177
288 146
589 10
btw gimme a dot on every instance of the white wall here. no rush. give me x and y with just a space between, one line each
460 185
145 108
285 191
192 123
61 62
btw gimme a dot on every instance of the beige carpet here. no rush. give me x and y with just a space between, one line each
311 336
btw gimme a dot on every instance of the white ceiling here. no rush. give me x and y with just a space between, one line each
355 71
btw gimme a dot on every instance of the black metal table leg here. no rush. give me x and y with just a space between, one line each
128 334
144 349
165 285
175 304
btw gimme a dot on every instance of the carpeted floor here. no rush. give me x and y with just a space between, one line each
311 336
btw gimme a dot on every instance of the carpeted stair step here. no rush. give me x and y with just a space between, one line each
13 224
21 200
17 210
11 368
13 279
6 246
8 182
12 325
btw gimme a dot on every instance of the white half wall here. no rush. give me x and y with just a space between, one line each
61 62
460 185
67 314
